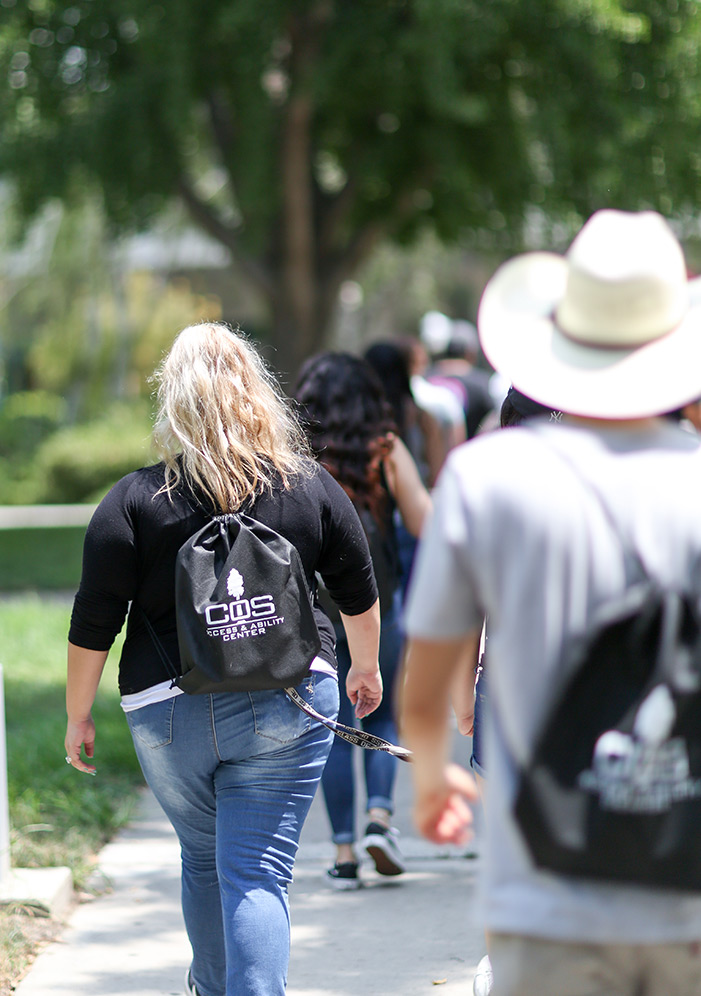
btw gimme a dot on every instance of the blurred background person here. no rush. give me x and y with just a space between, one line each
454 366
440 400
419 429
353 434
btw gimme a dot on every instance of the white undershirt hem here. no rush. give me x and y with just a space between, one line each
167 690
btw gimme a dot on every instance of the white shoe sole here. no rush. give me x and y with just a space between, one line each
344 884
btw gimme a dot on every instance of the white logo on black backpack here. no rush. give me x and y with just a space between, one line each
241 617
234 583
646 770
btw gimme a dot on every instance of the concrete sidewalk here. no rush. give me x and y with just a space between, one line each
395 937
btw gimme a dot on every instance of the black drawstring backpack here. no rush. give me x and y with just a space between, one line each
243 609
245 619
612 788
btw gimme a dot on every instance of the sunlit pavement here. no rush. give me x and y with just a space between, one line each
408 936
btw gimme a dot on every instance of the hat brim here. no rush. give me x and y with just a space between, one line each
521 341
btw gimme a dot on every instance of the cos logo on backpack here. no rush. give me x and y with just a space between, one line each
240 612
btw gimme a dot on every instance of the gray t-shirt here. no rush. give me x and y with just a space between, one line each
516 536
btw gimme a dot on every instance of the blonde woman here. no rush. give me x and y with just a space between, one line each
236 772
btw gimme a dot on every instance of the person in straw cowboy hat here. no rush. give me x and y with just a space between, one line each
609 334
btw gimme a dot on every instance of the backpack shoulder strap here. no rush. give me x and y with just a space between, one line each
167 663
170 668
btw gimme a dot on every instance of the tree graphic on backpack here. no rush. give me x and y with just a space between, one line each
234 583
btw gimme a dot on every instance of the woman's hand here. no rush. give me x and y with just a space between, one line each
364 682
364 690
462 691
79 735
84 672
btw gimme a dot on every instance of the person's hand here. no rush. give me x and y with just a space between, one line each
466 719
78 735
364 689
441 810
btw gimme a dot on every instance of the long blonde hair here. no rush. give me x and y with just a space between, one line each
223 424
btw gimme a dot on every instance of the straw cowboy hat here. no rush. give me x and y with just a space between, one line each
610 330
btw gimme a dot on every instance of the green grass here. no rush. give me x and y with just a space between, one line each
57 816
41 558
21 935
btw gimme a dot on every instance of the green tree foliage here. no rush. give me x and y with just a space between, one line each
301 133
77 321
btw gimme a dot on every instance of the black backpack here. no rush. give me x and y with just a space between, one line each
612 789
243 609
245 619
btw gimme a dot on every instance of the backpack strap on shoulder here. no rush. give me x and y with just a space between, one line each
171 669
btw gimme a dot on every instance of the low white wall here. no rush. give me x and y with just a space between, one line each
43 516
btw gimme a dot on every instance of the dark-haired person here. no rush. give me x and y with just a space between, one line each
235 772
418 428
353 434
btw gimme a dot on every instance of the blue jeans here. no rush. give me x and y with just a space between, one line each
481 704
338 780
236 775
406 548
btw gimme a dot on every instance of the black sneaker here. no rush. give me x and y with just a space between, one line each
381 844
344 876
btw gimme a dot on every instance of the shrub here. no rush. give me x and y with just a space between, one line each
20 481
81 463
27 418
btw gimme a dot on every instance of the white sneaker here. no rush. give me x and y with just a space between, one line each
190 989
484 979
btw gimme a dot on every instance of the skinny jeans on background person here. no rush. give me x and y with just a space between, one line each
338 781
236 774
477 762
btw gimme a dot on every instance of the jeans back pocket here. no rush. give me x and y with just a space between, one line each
277 718
152 724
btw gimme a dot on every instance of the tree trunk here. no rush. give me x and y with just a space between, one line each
297 333
288 349
298 283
